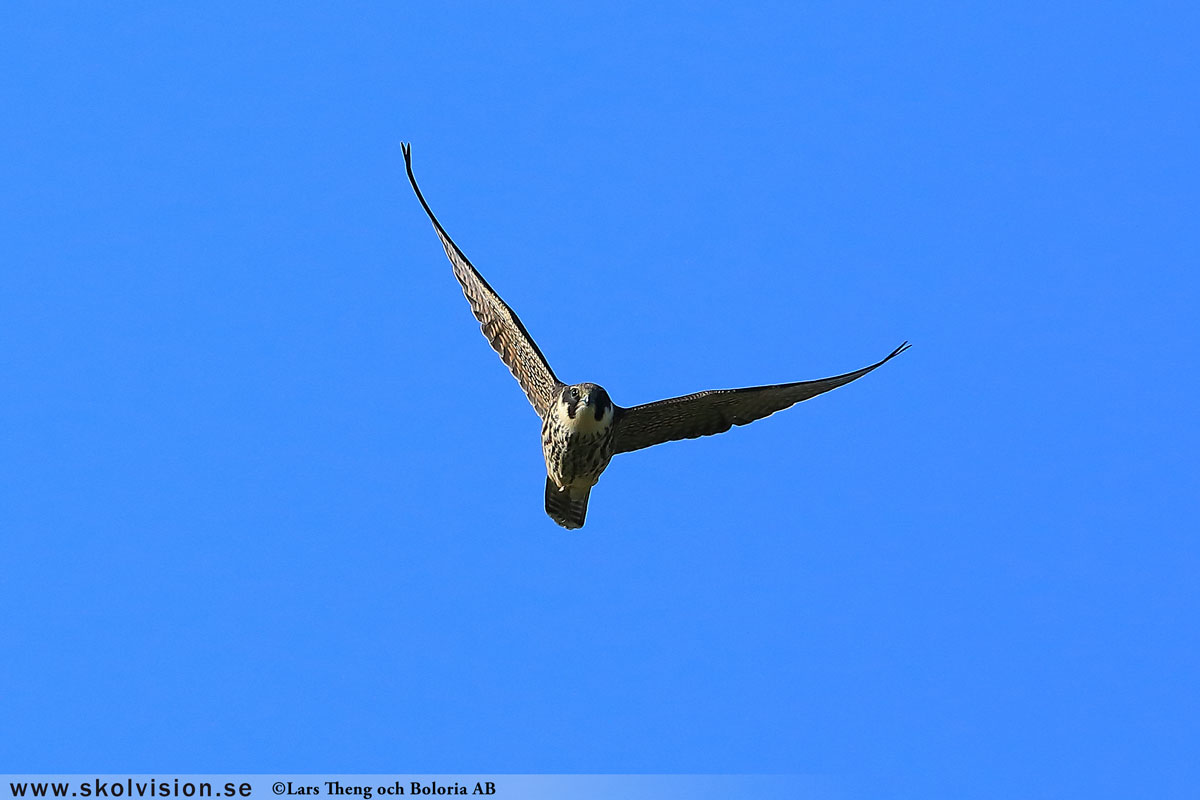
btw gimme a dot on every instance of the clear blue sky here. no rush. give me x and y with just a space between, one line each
269 502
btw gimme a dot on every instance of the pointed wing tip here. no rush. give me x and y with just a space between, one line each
406 148
903 346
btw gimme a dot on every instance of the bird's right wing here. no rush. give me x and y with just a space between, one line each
716 411
498 322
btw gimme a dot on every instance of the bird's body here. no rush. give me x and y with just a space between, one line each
577 442
582 429
577 437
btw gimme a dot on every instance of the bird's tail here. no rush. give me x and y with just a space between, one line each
562 509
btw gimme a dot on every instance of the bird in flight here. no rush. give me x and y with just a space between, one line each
582 428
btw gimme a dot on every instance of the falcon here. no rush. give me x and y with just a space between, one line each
582 428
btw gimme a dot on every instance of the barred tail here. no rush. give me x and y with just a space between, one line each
562 509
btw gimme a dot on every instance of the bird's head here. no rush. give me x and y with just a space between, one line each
585 406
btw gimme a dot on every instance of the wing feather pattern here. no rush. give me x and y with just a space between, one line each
706 413
497 321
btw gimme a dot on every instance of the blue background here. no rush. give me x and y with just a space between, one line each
269 502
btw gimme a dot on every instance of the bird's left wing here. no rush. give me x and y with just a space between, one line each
498 322
716 411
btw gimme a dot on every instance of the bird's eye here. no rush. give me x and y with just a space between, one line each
574 393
